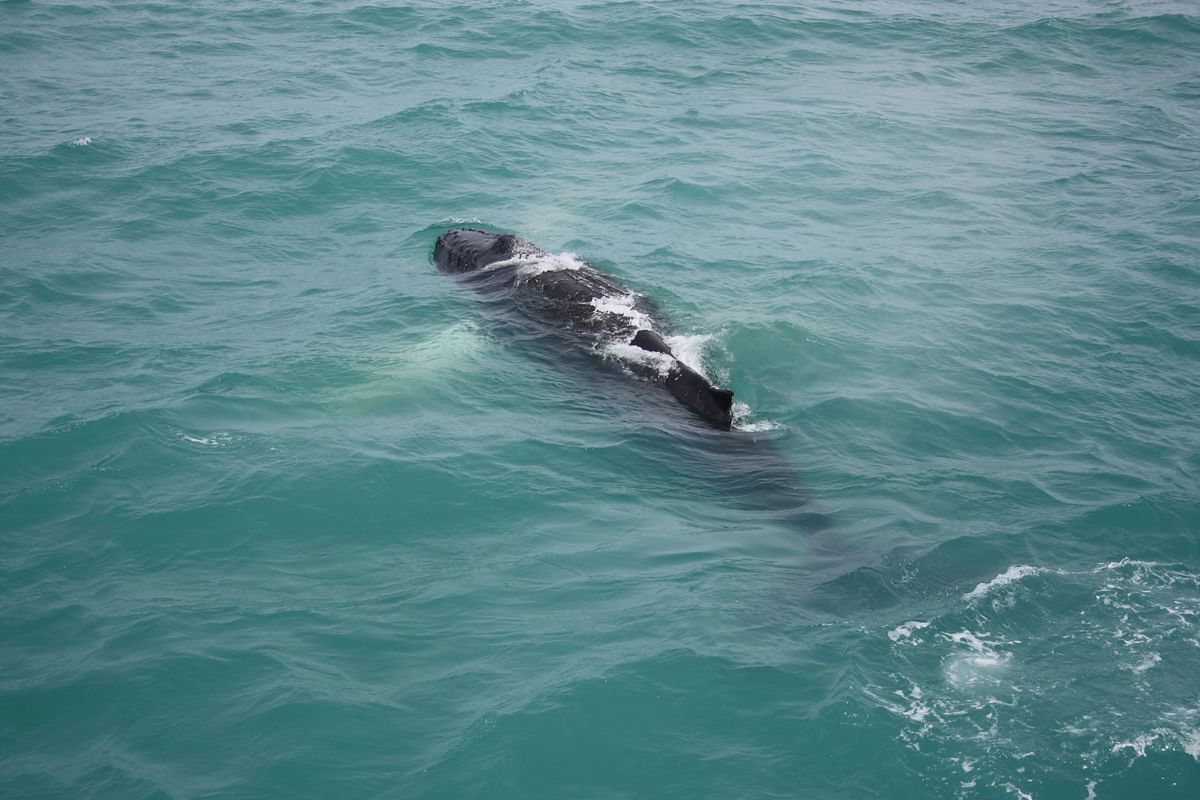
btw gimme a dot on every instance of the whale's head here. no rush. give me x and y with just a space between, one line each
467 249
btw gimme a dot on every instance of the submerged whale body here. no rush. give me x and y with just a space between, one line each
579 300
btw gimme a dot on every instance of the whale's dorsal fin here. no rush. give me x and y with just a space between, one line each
649 340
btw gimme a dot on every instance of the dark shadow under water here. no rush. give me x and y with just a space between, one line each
746 472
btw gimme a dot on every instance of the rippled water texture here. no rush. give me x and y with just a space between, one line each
286 513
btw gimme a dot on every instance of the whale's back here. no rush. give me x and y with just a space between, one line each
573 299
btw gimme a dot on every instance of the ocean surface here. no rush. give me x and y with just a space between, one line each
286 513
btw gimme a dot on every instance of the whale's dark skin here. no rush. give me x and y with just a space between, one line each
577 298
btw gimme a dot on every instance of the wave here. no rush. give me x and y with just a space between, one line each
972 682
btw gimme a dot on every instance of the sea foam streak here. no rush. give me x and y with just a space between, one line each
1010 575
535 262
624 306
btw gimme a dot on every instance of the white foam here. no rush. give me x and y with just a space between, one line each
690 350
623 351
624 305
982 666
741 411
760 426
1183 722
906 630
215 440
535 262
1153 573
1008 576
969 671
1137 745
1149 662
916 709
1134 618
1191 744
82 141
969 639
1011 789
1127 562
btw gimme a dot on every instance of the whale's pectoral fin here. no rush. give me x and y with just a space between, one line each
651 341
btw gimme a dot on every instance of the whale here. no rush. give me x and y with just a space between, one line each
571 303
587 306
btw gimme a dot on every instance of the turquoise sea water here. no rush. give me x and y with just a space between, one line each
286 513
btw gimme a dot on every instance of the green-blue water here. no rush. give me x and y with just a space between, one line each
286 513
